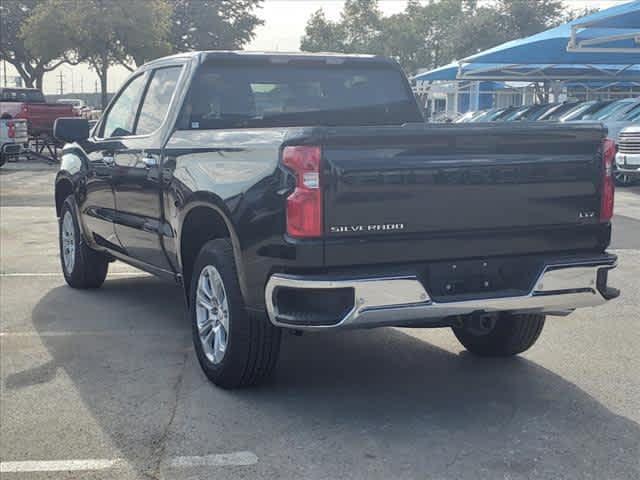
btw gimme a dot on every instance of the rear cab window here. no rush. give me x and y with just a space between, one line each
270 95
21 95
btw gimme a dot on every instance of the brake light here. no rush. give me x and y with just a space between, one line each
304 205
11 130
608 189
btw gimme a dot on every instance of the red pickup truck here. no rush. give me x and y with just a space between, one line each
29 104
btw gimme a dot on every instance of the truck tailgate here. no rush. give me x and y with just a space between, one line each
422 185
41 116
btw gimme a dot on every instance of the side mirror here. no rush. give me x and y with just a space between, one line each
71 129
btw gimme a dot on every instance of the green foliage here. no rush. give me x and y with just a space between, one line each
30 63
322 35
100 32
433 33
527 17
104 33
212 24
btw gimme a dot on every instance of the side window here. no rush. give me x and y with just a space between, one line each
157 99
122 115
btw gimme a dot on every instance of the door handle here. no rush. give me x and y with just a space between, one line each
150 161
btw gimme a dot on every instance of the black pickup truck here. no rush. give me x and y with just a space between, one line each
305 192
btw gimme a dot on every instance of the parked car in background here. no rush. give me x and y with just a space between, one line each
76 103
79 106
613 111
514 114
556 111
468 116
583 109
94 114
30 104
13 138
616 123
501 115
529 113
305 192
628 156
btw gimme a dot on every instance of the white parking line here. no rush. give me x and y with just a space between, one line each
98 333
59 465
235 459
59 274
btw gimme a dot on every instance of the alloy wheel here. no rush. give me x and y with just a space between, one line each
212 314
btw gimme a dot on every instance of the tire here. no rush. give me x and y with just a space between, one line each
506 334
3 160
84 268
243 352
623 180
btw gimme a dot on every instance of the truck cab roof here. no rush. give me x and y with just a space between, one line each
244 56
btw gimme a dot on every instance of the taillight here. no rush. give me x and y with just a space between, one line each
11 130
304 205
608 159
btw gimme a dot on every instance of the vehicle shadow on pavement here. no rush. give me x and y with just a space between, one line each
374 404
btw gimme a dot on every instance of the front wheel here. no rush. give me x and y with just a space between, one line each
499 335
82 267
235 348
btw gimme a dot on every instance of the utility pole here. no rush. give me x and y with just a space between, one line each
4 67
61 77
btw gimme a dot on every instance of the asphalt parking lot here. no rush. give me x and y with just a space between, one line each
104 384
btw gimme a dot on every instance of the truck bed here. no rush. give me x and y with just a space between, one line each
40 116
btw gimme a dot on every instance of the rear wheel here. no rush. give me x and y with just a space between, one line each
82 267
500 335
623 180
3 159
235 348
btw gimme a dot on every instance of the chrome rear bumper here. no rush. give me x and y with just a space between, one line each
403 300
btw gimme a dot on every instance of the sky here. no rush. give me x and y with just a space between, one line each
284 22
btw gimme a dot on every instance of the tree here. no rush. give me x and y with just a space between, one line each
144 33
427 35
358 31
101 32
322 35
212 24
521 18
361 22
31 65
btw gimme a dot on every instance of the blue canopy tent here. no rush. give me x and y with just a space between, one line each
447 72
551 46
616 31
549 55
602 46
542 72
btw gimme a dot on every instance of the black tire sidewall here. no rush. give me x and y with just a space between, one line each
89 267
512 334
218 254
